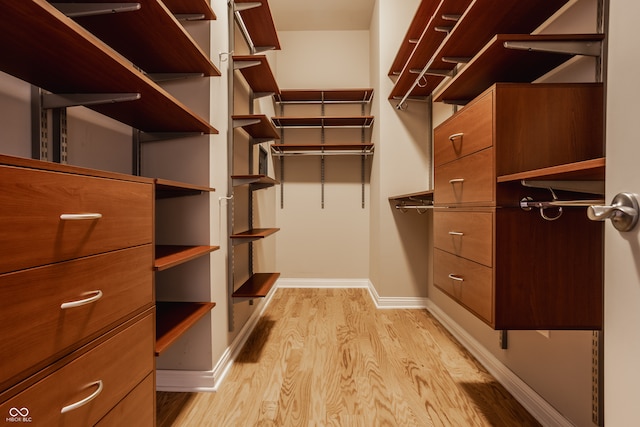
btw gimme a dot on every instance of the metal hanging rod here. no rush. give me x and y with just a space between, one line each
322 153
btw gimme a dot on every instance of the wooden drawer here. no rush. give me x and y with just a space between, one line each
32 201
469 180
468 131
35 329
469 283
138 408
119 363
466 234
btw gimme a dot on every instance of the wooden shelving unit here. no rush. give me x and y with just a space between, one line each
324 121
253 234
173 319
257 126
321 149
257 73
171 50
516 58
325 96
168 256
257 286
480 22
101 72
256 24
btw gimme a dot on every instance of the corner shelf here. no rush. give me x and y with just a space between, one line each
256 182
173 319
252 235
171 50
257 126
324 122
257 286
256 24
257 73
102 71
516 58
360 149
168 256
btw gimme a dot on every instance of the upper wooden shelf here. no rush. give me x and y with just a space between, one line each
191 7
256 125
325 96
257 25
166 188
324 121
256 71
420 20
257 286
481 21
253 234
173 319
133 35
432 37
516 58
587 170
255 181
168 256
321 149
74 61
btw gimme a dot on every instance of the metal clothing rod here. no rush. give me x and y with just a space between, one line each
323 153
524 204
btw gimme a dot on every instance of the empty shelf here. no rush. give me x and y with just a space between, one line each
587 170
253 234
258 286
171 50
257 24
325 96
498 63
168 256
166 189
255 181
191 7
321 149
173 319
323 121
256 71
426 196
256 125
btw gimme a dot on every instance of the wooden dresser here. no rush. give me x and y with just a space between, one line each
512 268
76 295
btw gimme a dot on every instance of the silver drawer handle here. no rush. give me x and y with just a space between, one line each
455 277
72 304
86 400
455 135
79 217
456 233
456 180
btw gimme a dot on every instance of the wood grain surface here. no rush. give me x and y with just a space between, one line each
328 357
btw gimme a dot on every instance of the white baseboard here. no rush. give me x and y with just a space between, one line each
322 283
546 414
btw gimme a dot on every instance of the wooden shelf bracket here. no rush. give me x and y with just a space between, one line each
52 100
75 10
586 48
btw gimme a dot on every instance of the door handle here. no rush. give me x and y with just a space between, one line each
623 212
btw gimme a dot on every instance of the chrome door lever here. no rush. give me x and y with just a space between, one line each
623 212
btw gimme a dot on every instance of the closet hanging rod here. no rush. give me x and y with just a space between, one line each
526 203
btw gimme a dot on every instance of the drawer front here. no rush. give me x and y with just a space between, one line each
108 372
468 131
138 408
31 205
466 234
33 326
465 281
470 180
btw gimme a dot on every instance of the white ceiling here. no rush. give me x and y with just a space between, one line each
321 15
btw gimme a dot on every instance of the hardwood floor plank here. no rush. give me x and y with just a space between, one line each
329 357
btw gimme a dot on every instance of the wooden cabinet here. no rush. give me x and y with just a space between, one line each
510 267
76 289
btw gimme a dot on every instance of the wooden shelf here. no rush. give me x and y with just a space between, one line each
496 63
588 170
55 66
173 319
191 7
251 235
171 50
256 125
166 189
420 20
480 21
168 256
325 96
428 43
256 182
258 286
259 24
417 196
323 121
256 71
321 149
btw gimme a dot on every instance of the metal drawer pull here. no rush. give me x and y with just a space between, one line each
86 400
455 135
454 277
72 304
78 217
456 233
456 180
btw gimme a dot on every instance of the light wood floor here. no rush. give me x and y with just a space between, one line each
328 357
